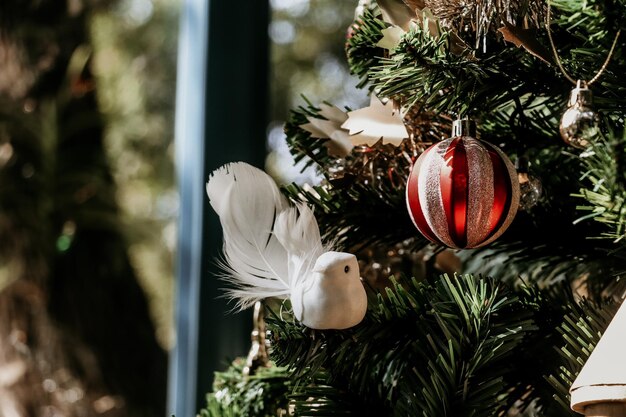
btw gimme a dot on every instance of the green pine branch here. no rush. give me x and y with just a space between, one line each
263 394
462 345
605 186
423 70
319 398
361 49
423 349
345 219
580 332
302 145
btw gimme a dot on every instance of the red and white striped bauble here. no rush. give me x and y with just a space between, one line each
462 193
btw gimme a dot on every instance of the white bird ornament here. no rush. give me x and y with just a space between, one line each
274 249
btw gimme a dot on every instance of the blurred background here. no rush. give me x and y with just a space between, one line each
89 204
307 59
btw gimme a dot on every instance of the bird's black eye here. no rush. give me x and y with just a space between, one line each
346 269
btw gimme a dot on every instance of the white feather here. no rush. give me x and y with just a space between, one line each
248 203
297 230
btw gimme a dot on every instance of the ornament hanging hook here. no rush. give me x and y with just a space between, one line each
560 64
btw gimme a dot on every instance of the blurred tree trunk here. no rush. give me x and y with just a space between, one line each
76 337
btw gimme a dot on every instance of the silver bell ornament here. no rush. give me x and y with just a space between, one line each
579 123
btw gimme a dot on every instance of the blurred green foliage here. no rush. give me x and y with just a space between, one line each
307 55
135 44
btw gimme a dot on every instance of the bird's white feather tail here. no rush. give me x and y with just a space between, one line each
248 202
297 230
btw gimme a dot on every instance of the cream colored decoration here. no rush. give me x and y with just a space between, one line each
394 33
396 12
430 21
377 121
339 144
391 37
600 388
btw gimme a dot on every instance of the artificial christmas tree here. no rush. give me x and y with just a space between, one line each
509 334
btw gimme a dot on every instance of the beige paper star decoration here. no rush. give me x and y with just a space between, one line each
393 34
377 121
391 37
339 143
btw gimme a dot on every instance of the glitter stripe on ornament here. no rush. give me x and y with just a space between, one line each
512 192
481 180
413 202
430 194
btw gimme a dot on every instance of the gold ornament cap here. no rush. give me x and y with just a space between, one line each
257 356
463 127
581 95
